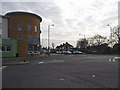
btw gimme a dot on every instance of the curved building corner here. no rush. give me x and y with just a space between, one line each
25 28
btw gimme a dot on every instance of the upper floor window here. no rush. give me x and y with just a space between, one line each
19 37
29 27
19 26
35 28
10 27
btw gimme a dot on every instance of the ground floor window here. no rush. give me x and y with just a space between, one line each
3 48
33 48
6 48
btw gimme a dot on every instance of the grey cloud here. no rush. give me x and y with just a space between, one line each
98 4
110 20
70 21
46 9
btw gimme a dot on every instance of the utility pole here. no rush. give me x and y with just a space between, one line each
111 31
49 38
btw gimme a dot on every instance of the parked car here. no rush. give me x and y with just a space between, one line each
77 52
68 52
58 52
64 52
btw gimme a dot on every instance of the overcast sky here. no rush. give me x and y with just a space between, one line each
70 17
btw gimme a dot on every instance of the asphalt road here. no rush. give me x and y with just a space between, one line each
64 71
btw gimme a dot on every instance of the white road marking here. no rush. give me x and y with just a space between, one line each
61 79
93 75
3 67
113 60
51 61
116 58
41 62
58 60
109 60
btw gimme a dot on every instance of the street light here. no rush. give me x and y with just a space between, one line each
49 38
111 31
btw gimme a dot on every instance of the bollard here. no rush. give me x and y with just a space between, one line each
24 58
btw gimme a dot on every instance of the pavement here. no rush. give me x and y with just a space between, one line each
20 60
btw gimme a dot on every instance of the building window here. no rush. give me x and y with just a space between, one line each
19 26
35 48
3 48
29 27
19 37
35 28
10 27
8 48
29 48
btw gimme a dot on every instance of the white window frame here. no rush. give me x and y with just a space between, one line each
19 37
19 27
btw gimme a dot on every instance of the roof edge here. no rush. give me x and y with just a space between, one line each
20 12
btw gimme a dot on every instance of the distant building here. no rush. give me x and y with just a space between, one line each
4 26
25 28
7 46
64 47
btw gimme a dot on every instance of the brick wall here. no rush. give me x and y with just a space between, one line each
24 20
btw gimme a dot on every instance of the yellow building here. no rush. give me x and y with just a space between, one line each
25 28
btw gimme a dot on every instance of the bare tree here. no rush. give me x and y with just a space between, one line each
82 43
98 39
116 31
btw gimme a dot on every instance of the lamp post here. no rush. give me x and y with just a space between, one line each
111 31
49 38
